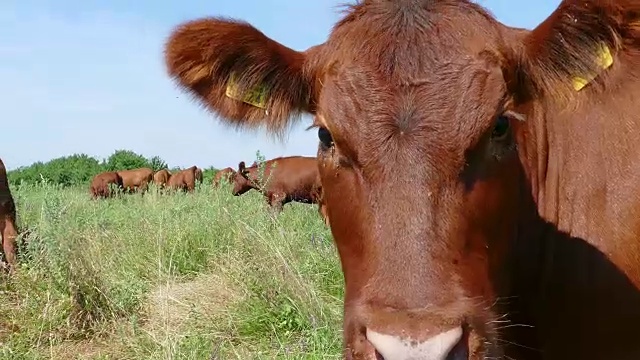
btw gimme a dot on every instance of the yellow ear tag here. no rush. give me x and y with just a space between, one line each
605 60
256 96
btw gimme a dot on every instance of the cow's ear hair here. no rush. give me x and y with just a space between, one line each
238 73
573 47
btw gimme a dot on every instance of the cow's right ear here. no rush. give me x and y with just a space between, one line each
241 167
240 74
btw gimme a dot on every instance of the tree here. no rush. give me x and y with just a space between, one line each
157 163
66 171
125 160
79 169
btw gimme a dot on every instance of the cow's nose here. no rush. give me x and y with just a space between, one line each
448 345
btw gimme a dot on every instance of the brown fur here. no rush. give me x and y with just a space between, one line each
183 180
447 209
322 208
8 227
227 173
161 177
100 185
136 180
292 178
198 175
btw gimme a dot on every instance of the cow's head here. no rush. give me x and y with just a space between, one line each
420 108
243 179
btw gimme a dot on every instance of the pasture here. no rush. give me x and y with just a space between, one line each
201 275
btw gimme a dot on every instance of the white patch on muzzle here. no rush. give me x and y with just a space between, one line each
394 348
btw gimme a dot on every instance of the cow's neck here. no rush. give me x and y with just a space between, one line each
579 222
580 164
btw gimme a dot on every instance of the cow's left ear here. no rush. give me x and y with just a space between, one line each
573 47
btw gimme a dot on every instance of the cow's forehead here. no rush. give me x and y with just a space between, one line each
451 102
386 35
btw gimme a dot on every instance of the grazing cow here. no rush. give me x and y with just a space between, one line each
227 174
481 181
8 227
102 185
292 178
183 180
136 179
198 175
161 177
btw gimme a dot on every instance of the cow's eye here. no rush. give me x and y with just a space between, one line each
501 128
325 137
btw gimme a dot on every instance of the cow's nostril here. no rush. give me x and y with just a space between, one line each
461 350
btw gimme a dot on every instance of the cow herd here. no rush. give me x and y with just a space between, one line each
109 183
280 180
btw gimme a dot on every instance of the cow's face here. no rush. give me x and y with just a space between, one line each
419 110
242 181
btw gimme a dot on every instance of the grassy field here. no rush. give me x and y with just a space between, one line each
187 276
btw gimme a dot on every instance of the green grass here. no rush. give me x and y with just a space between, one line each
183 276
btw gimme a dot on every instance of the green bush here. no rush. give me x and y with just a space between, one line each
65 171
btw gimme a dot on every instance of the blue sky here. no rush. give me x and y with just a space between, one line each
81 76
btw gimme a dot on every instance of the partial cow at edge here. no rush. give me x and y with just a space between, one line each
8 227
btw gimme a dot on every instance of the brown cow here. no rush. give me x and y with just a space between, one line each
161 177
136 179
8 227
198 175
183 180
481 181
292 178
227 174
104 185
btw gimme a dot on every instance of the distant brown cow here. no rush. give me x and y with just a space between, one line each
198 175
136 179
227 173
8 227
183 180
322 208
161 177
293 178
101 185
